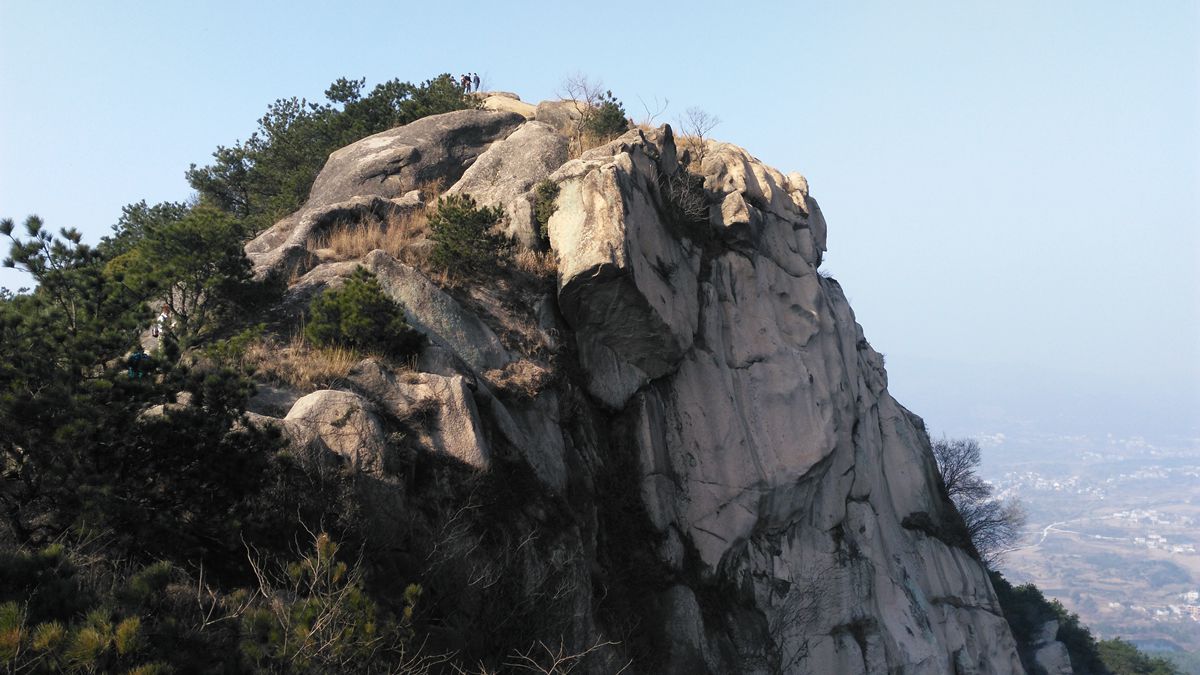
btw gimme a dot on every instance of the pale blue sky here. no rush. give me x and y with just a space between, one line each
1011 188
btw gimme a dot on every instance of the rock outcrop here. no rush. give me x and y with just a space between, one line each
507 171
377 177
1050 655
507 102
685 444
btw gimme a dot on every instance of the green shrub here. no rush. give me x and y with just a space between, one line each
607 118
544 205
360 316
462 235
1122 658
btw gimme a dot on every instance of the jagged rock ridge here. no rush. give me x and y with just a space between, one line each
717 457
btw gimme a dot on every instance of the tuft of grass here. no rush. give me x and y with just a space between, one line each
396 236
539 264
401 235
300 365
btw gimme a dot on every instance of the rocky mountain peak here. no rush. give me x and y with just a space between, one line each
720 480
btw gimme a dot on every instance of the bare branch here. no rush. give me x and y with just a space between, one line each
993 525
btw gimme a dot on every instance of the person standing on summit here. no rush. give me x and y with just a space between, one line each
475 80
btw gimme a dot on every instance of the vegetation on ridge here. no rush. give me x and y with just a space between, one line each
149 526
268 176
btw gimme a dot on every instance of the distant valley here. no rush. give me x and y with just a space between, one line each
1113 532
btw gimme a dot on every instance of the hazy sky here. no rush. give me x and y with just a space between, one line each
1011 188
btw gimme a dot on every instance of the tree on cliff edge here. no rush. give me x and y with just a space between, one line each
993 524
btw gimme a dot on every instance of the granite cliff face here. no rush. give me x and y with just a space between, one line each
710 473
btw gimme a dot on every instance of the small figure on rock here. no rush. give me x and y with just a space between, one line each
465 81
161 323
475 81
139 364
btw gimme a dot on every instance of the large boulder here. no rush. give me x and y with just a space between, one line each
285 247
440 410
393 162
564 115
627 284
508 103
1053 659
344 423
509 169
1050 655
761 205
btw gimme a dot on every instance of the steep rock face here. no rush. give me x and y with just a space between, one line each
626 285
712 474
771 455
453 427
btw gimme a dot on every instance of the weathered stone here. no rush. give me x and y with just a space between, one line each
1047 633
765 206
509 169
535 430
1053 659
285 246
509 103
562 115
344 423
627 285
767 432
430 310
394 162
732 393
439 409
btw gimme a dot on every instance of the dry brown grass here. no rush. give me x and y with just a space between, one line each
430 191
400 235
693 144
583 142
521 379
299 365
540 264
396 236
